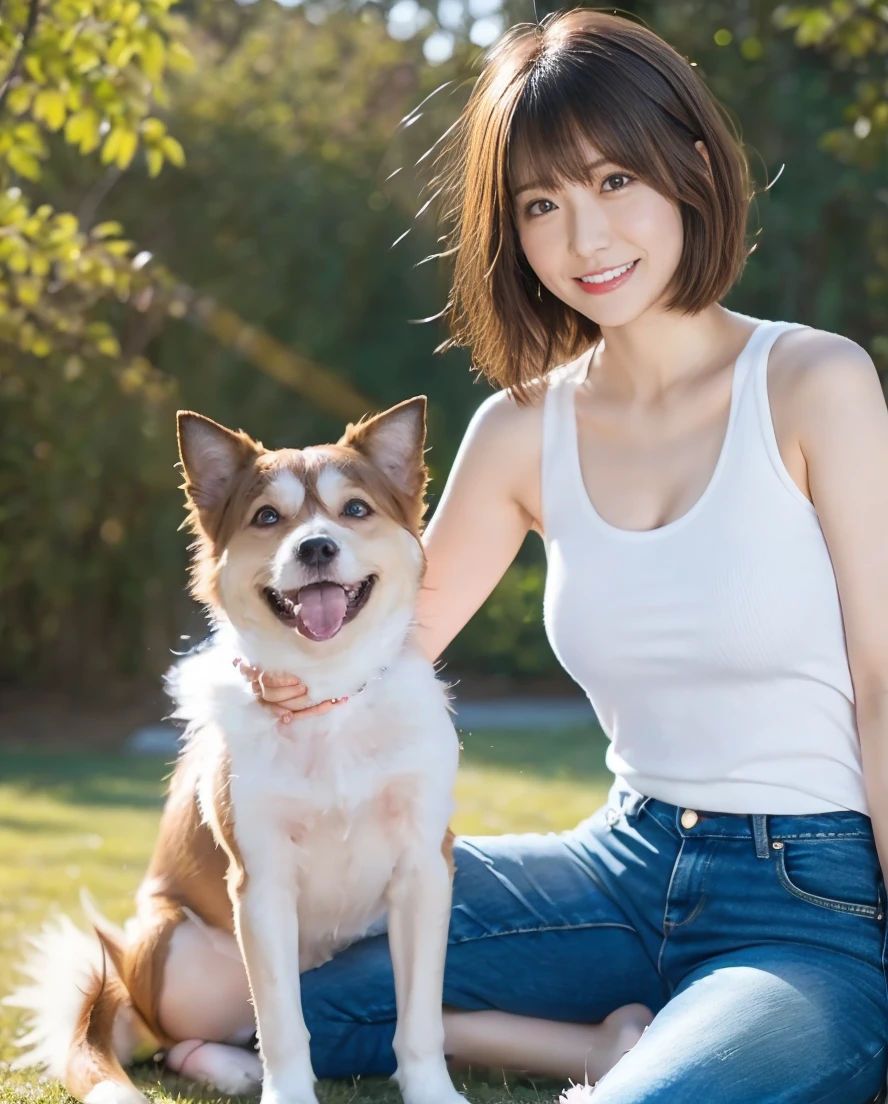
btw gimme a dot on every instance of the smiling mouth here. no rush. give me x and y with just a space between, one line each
609 276
319 610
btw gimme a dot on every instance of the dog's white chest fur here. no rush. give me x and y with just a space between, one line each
333 804
342 868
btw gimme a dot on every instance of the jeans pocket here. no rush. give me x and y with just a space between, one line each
842 876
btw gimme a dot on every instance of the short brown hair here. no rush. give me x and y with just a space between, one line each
545 90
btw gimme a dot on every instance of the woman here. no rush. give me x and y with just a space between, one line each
712 491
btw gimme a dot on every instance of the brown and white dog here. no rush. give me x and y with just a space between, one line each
278 848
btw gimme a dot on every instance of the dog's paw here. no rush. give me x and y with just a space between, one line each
288 1088
427 1082
113 1092
277 1096
441 1093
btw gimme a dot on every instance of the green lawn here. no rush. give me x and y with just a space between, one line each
82 819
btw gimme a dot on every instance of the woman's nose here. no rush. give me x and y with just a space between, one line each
589 231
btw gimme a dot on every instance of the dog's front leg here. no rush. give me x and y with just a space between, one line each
419 915
266 923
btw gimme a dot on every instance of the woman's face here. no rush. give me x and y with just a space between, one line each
575 232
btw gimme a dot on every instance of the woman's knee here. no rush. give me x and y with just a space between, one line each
788 1031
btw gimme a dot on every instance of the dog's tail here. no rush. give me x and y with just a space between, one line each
82 1026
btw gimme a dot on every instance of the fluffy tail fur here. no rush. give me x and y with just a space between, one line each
82 1027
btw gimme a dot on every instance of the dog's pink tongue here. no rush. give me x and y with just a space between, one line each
323 610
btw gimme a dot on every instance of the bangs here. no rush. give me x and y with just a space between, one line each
573 101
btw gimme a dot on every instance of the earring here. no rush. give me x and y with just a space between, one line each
540 292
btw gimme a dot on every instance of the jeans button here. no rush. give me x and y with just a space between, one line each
689 818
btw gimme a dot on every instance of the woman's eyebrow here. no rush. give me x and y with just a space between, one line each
592 167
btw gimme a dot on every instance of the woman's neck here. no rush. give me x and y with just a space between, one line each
646 358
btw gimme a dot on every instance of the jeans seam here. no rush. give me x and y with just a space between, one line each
884 958
535 930
695 912
666 909
697 833
668 828
849 1080
698 908
823 835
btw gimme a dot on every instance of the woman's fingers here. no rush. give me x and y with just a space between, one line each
318 710
283 694
271 687
278 695
287 705
276 681
268 678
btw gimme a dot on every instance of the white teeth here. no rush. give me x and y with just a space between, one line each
606 277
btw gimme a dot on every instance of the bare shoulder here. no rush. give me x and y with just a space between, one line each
501 413
813 373
507 438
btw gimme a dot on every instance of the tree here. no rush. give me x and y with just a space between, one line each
89 73
85 76
853 36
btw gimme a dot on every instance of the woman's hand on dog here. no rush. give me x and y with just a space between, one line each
283 694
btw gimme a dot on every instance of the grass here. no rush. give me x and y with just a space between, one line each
70 819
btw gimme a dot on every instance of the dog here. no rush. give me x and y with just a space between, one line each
277 849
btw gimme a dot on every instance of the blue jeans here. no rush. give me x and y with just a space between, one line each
758 941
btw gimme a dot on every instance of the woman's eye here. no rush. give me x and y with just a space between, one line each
356 508
617 176
266 515
529 209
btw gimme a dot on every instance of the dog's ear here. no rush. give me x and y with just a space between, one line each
211 456
394 442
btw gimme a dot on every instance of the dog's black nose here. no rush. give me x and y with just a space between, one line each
317 551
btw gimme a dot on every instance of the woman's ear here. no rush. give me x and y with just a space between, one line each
700 146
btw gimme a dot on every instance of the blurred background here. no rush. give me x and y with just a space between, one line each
219 205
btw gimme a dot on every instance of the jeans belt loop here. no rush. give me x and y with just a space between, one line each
760 835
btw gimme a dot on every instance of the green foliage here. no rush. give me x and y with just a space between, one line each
505 637
853 35
53 274
91 71
87 75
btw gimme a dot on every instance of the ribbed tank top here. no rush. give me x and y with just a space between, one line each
712 649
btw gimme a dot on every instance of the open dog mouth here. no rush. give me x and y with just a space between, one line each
319 610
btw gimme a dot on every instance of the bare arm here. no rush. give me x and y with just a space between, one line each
481 521
843 432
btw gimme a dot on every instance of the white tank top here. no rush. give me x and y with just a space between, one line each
712 649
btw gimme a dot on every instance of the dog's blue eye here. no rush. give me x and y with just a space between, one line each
267 515
356 508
